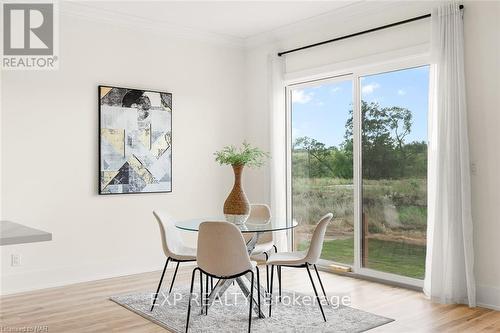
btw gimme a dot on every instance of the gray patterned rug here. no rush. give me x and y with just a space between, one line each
296 313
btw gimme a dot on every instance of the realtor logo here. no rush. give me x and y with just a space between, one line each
29 36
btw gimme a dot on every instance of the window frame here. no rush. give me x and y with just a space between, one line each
355 75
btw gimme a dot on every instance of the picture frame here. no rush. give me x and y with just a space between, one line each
135 140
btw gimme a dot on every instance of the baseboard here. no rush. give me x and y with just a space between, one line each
488 297
43 279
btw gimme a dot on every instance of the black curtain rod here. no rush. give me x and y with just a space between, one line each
358 33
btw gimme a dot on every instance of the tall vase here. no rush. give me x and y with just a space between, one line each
236 206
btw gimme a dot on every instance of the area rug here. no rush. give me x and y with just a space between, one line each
295 313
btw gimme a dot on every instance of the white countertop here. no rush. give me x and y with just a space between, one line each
15 233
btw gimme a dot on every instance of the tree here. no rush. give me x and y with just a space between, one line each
386 154
383 133
318 160
319 152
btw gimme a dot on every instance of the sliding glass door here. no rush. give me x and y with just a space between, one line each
394 171
359 144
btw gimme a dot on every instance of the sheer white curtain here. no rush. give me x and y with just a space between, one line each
450 255
277 130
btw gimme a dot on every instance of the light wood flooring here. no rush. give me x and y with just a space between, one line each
85 307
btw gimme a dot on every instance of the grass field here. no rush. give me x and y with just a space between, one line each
387 256
394 210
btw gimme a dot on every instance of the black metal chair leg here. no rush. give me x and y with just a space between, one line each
211 283
251 304
321 284
279 281
159 284
201 291
189 299
206 294
316 293
258 288
173 279
271 290
275 249
267 272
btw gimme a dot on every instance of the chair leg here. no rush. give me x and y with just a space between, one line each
258 288
173 279
267 272
211 283
321 284
316 292
279 281
201 291
159 284
206 294
271 290
275 249
189 299
251 304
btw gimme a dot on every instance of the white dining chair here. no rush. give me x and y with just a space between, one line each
261 213
303 259
222 254
173 248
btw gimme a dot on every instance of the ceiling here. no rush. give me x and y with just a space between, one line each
239 19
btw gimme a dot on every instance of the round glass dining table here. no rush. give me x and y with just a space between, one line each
252 226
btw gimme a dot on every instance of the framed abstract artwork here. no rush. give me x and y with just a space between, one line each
135 141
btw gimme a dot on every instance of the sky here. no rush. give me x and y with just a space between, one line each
321 111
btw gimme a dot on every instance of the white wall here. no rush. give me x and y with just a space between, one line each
482 66
49 149
482 40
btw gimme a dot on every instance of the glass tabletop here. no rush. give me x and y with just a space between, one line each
250 226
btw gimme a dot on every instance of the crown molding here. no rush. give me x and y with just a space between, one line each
86 11
351 11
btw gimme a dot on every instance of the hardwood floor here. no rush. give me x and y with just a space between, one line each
85 307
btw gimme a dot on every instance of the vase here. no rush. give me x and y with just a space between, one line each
236 206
